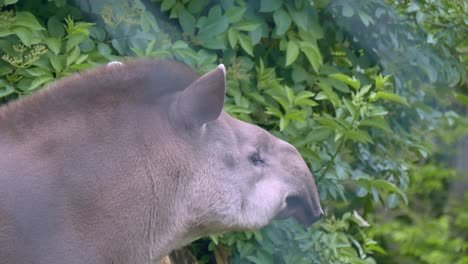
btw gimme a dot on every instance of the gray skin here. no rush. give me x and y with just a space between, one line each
124 163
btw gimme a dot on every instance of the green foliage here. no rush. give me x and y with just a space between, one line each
36 52
362 89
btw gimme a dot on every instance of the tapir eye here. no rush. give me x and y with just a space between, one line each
256 160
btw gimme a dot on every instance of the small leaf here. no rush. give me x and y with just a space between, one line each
56 63
247 25
25 35
74 41
392 200
304 99
27 20
388 96
284 122
353 82
196 6
148 23
167 4
274 112
187 21
377 122
313 55
36 71
359 136
246 43
5 89
104 49
232 37
300 17
270 5
55 28
282 21
330 94
72 56
37 82
9 2
54 44
390 187
235 14
292 51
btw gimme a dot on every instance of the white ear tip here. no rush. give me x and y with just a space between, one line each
114 63
221 66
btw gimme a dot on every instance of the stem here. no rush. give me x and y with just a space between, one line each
340 146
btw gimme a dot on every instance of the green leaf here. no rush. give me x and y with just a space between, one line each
377 122
353 82
246 43
25 35
388 96
351 107
232 37
36 71
5 89
296 115
27 20
282 21
270 5
148 23
359 135
300 17
284 122
212 26
54 44
235 109
74 41
55 28
292 51
330 94
81 59
313 55
235 14
196 6
304 99
462 98
56 63
167 4
273 111
392 201
8 2
390 187
72 56
5 32
381 81
330 123
216 43
187 21
104 49
247 25
38 82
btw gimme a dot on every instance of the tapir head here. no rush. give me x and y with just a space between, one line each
240 176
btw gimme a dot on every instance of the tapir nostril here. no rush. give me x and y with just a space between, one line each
302 209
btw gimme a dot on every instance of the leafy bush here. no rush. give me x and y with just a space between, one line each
363 90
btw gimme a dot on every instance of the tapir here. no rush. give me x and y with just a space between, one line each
128 161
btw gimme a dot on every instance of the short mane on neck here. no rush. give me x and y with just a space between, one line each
138 80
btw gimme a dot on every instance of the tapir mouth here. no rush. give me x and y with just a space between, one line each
301 210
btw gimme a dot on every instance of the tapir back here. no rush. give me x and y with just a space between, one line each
106 166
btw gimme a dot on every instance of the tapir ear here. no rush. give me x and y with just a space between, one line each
203 100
